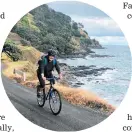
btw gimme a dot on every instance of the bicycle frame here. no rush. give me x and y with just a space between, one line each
49 92
51 86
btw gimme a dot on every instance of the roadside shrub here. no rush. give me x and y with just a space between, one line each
12 51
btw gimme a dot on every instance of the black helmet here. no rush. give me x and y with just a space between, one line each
51 53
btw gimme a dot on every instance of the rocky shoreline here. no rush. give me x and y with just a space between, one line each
99 56
71 73
83 54
75 55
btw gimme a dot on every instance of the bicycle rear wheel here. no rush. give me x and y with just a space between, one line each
41 97
55 102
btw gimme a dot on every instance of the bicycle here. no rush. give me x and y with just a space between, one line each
53 95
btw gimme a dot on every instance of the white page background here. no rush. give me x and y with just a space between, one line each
14 10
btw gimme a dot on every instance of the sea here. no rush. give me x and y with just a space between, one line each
112 85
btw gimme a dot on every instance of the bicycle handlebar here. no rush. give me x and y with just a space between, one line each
56 78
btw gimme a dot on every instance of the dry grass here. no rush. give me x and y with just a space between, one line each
79 97
9 71
30 54
24 66
83 33
5 58
15 37
27 65
84 97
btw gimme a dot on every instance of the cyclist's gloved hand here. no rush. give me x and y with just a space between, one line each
44 78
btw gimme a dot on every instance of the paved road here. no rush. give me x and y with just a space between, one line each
71 118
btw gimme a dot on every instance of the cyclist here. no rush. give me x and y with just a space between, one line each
46 66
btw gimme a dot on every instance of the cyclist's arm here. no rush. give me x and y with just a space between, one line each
42 65
57 68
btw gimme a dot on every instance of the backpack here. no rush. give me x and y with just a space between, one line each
46 61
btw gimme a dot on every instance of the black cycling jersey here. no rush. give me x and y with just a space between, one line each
46 69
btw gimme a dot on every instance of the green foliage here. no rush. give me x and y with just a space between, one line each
25 21
45 28
14 29
61 44
86 41
25 42
85 32
12 51
29 35
69 49
9 41
49 39
76 33
75 26
28 21
80 25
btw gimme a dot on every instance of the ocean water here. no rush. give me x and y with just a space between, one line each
112 85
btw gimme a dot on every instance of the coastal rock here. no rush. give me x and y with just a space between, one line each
76 86
82 67
85 71
99 56
79 83
71 73
64 67
63 64
76 55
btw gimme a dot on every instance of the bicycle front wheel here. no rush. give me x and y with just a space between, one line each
55 102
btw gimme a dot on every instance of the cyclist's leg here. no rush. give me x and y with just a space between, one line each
42 83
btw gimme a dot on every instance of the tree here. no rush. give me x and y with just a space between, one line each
12 51
61 44
49 39
80 25
75 26
76 33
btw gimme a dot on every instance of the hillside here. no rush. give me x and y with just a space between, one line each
44 28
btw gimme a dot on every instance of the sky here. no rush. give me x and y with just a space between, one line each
98 24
